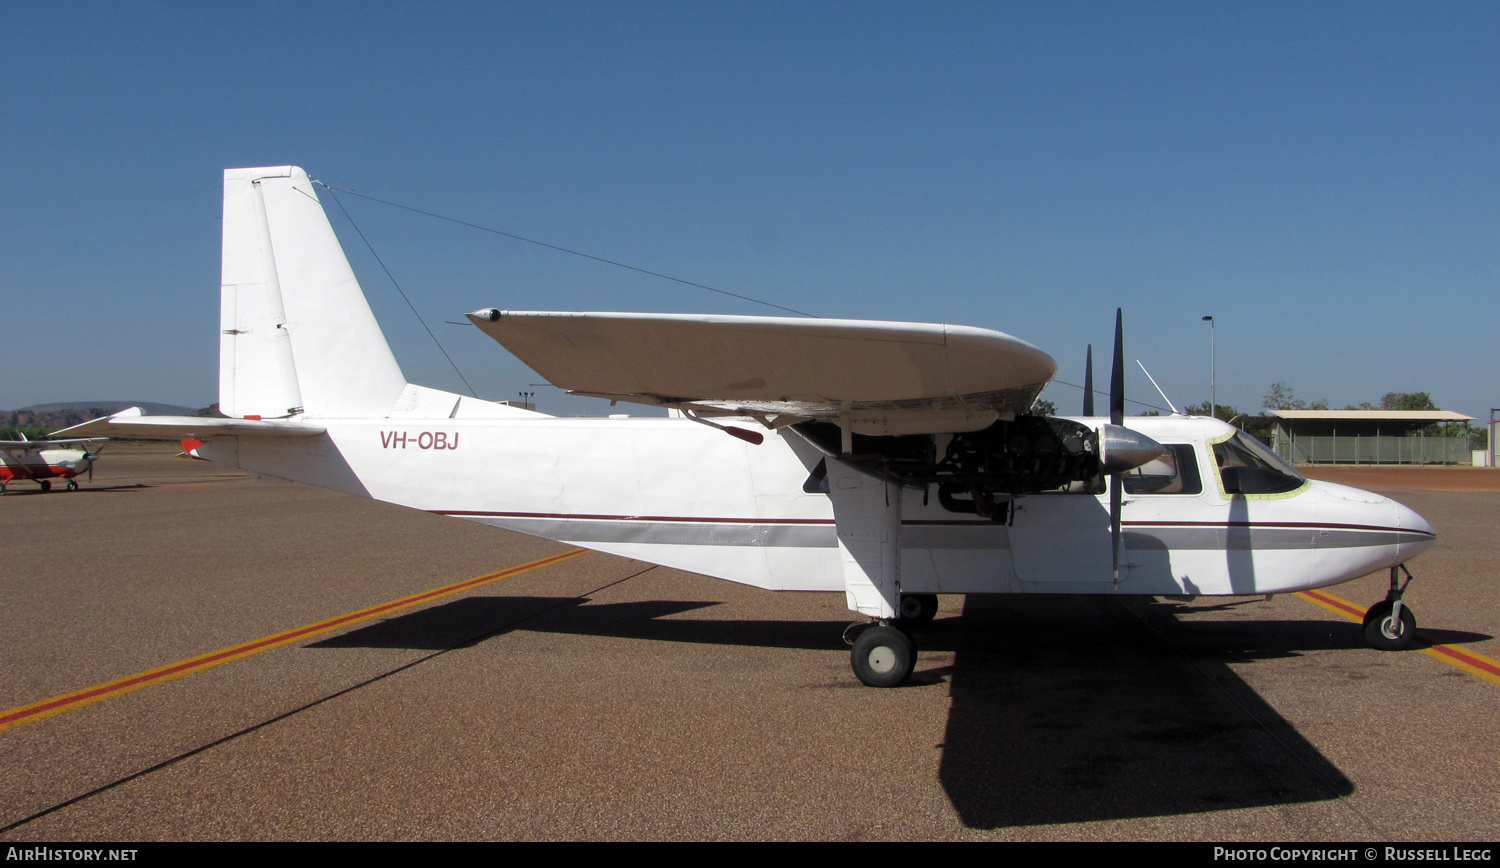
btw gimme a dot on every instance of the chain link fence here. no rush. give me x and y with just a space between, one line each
1375 450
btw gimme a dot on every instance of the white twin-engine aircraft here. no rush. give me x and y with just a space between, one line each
890 461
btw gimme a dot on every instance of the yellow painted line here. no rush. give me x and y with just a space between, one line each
23 714
1458 658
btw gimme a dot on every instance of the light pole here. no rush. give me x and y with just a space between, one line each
1213 396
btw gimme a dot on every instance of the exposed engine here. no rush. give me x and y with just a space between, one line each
978 472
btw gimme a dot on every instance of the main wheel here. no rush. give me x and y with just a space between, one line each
46 484
1387 633
883 656
918 608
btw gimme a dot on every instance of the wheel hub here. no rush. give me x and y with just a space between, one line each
882 659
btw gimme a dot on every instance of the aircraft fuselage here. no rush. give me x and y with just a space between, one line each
672 492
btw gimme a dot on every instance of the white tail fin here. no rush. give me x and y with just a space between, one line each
296 334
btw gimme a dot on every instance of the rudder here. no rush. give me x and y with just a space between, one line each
296 333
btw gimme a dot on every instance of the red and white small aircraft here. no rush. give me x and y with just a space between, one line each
890 461
45 460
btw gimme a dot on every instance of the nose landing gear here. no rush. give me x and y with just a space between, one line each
1389 625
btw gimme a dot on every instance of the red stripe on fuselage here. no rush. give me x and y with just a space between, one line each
35 471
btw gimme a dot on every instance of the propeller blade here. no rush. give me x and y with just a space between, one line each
1116 417
1088 382
1115 490
1117 374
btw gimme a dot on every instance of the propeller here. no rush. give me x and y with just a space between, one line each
89 457
1116 417
1117 374
1088 381
1120 448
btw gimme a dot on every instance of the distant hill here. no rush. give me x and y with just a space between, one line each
41 419
111 407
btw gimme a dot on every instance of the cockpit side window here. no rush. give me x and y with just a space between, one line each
1175 472
1246 466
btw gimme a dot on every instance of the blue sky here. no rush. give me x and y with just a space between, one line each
1320 177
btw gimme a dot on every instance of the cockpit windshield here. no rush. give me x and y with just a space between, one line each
1246 466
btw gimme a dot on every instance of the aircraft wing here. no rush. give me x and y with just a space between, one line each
883 377
132 424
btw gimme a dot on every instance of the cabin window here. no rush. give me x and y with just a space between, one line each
1246 466
1175 472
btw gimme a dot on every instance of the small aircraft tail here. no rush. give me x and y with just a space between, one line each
296 334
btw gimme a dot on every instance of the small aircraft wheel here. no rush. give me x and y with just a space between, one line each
918 608
46 484
1386 633
883 656
72 485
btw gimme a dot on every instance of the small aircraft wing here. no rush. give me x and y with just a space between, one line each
882 377
132 423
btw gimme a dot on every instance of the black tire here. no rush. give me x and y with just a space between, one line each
883 656
918 608
46 484
1381 633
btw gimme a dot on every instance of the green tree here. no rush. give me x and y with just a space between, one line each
1407 401
1043 407
1281 397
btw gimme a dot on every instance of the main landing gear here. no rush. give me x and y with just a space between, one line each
1389 624
885 654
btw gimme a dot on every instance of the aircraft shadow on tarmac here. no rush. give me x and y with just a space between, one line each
1069 710
475 618
58 490
1063 709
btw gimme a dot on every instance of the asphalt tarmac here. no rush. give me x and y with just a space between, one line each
601 698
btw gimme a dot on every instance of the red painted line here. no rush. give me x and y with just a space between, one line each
1471 659
662 518
1449 654
1312 525
689 519
1335 602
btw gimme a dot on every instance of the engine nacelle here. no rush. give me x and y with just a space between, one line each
980 471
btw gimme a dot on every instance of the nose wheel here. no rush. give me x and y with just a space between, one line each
1389 625
883 656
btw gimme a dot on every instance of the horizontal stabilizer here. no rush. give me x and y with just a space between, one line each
133 425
